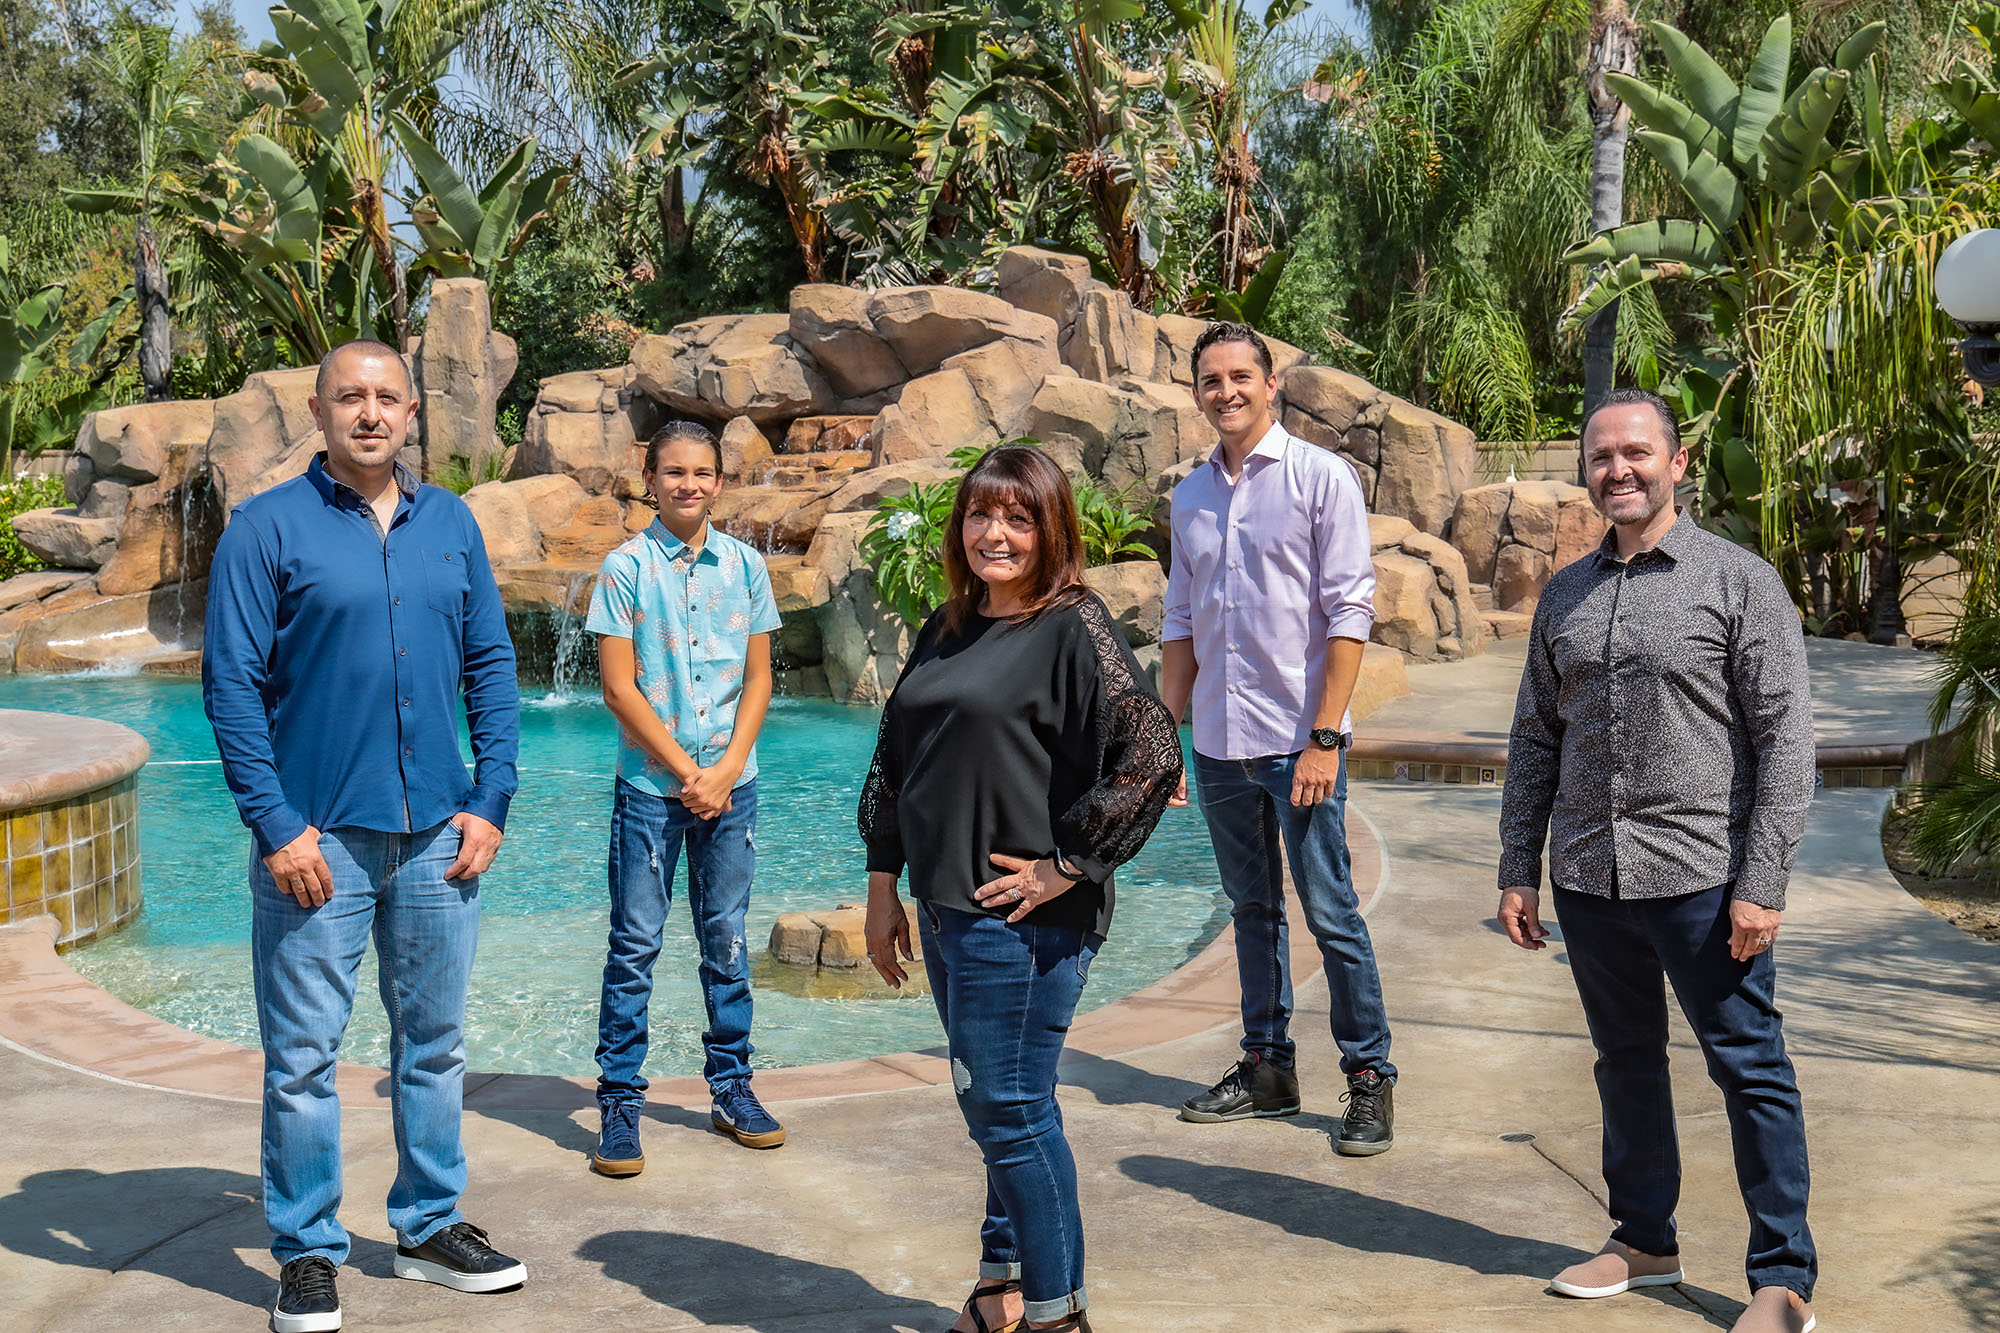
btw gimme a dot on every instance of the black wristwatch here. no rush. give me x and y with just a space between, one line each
1326 738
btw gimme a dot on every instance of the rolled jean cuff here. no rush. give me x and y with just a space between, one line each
1040 1312
999 1272
449 1219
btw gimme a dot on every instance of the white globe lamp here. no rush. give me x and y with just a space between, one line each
1967 283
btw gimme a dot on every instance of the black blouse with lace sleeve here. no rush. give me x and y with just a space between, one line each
1025 738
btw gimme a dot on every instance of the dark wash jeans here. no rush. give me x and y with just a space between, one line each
1248 806
647 832
1006 995
1618 949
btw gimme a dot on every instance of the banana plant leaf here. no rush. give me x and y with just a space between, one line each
346 28
1712 93
295 220
1678 240
1666 114
1607 284
458 206
1710 186
1796 144
1763 96
1860 46
103 201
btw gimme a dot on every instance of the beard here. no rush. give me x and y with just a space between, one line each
1657 494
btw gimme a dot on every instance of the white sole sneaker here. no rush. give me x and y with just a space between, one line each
324 1322
423 1270
1617 1288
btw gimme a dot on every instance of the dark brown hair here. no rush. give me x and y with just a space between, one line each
1230 333
681 430
1670 426
1017 474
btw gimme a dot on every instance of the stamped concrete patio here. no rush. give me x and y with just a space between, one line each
128 1206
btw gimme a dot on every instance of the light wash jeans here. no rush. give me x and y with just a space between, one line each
305 961
1006 995
1248 806
646 836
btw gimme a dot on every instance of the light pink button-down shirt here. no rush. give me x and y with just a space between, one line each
1264 572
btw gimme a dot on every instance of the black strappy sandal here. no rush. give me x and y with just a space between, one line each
1000 1288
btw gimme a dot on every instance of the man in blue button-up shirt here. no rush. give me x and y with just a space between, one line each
349 611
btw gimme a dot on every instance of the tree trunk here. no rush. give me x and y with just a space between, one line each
1614 47
149 281
673 213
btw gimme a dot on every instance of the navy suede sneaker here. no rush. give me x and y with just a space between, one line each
739 1114
618 1152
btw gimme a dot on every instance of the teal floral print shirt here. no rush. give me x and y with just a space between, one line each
689 616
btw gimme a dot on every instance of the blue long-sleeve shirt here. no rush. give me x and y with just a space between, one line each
334 659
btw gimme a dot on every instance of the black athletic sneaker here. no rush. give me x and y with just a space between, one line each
1252 1087
459 1257
307 1301
1369 1126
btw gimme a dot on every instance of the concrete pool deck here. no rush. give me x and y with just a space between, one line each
125 1206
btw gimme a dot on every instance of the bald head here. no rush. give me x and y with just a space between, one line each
358 348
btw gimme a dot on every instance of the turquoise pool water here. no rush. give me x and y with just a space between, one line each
534 988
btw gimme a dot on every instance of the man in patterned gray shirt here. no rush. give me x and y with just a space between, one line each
1663 745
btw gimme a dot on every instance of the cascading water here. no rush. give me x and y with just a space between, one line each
566 620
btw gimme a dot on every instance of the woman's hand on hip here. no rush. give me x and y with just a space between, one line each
887 931
1028 886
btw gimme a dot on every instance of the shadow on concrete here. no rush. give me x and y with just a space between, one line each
720 1282
1964 1267
563 1130
1115 1083
1370 1225
118 1221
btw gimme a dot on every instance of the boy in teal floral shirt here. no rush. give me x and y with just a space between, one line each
683 616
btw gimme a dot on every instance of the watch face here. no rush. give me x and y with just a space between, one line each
1326 738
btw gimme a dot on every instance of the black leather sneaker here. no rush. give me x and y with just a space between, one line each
1253 1087
459 1257
307 1300
1369 1126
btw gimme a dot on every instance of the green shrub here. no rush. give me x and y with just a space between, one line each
904 544
18 496
457 475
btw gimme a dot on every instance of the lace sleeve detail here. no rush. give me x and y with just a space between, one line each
1137 753
877 816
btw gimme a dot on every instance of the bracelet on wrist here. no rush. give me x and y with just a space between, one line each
1066 870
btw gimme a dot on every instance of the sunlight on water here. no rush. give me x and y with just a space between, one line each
533 1006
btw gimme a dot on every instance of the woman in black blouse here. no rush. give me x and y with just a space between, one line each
1022 758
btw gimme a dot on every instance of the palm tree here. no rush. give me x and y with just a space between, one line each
159 84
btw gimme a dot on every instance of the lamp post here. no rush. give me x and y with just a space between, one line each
1967 283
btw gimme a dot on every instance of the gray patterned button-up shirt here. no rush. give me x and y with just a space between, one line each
1663 735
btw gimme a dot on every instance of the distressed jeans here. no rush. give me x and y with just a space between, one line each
647 834
1006 995
305 962
1618 950
1248 806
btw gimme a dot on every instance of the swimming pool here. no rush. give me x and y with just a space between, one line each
533 1006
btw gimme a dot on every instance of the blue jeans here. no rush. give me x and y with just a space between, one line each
1006 995
646 836
305 961
1248 806
1618 949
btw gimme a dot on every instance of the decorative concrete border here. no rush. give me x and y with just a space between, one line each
69 822
49 1012
1439 756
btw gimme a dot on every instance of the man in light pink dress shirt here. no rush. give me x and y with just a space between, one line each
1270 598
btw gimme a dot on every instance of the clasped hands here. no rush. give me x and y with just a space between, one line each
706 794
1752 929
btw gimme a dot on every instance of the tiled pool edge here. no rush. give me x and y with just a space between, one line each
51 1013
69 823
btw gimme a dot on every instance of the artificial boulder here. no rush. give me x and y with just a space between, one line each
729 366
505 523
934 415
862 641
462 367
926 326
830 323
65 539
1122 435
1135 593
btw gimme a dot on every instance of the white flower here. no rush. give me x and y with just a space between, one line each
901 525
